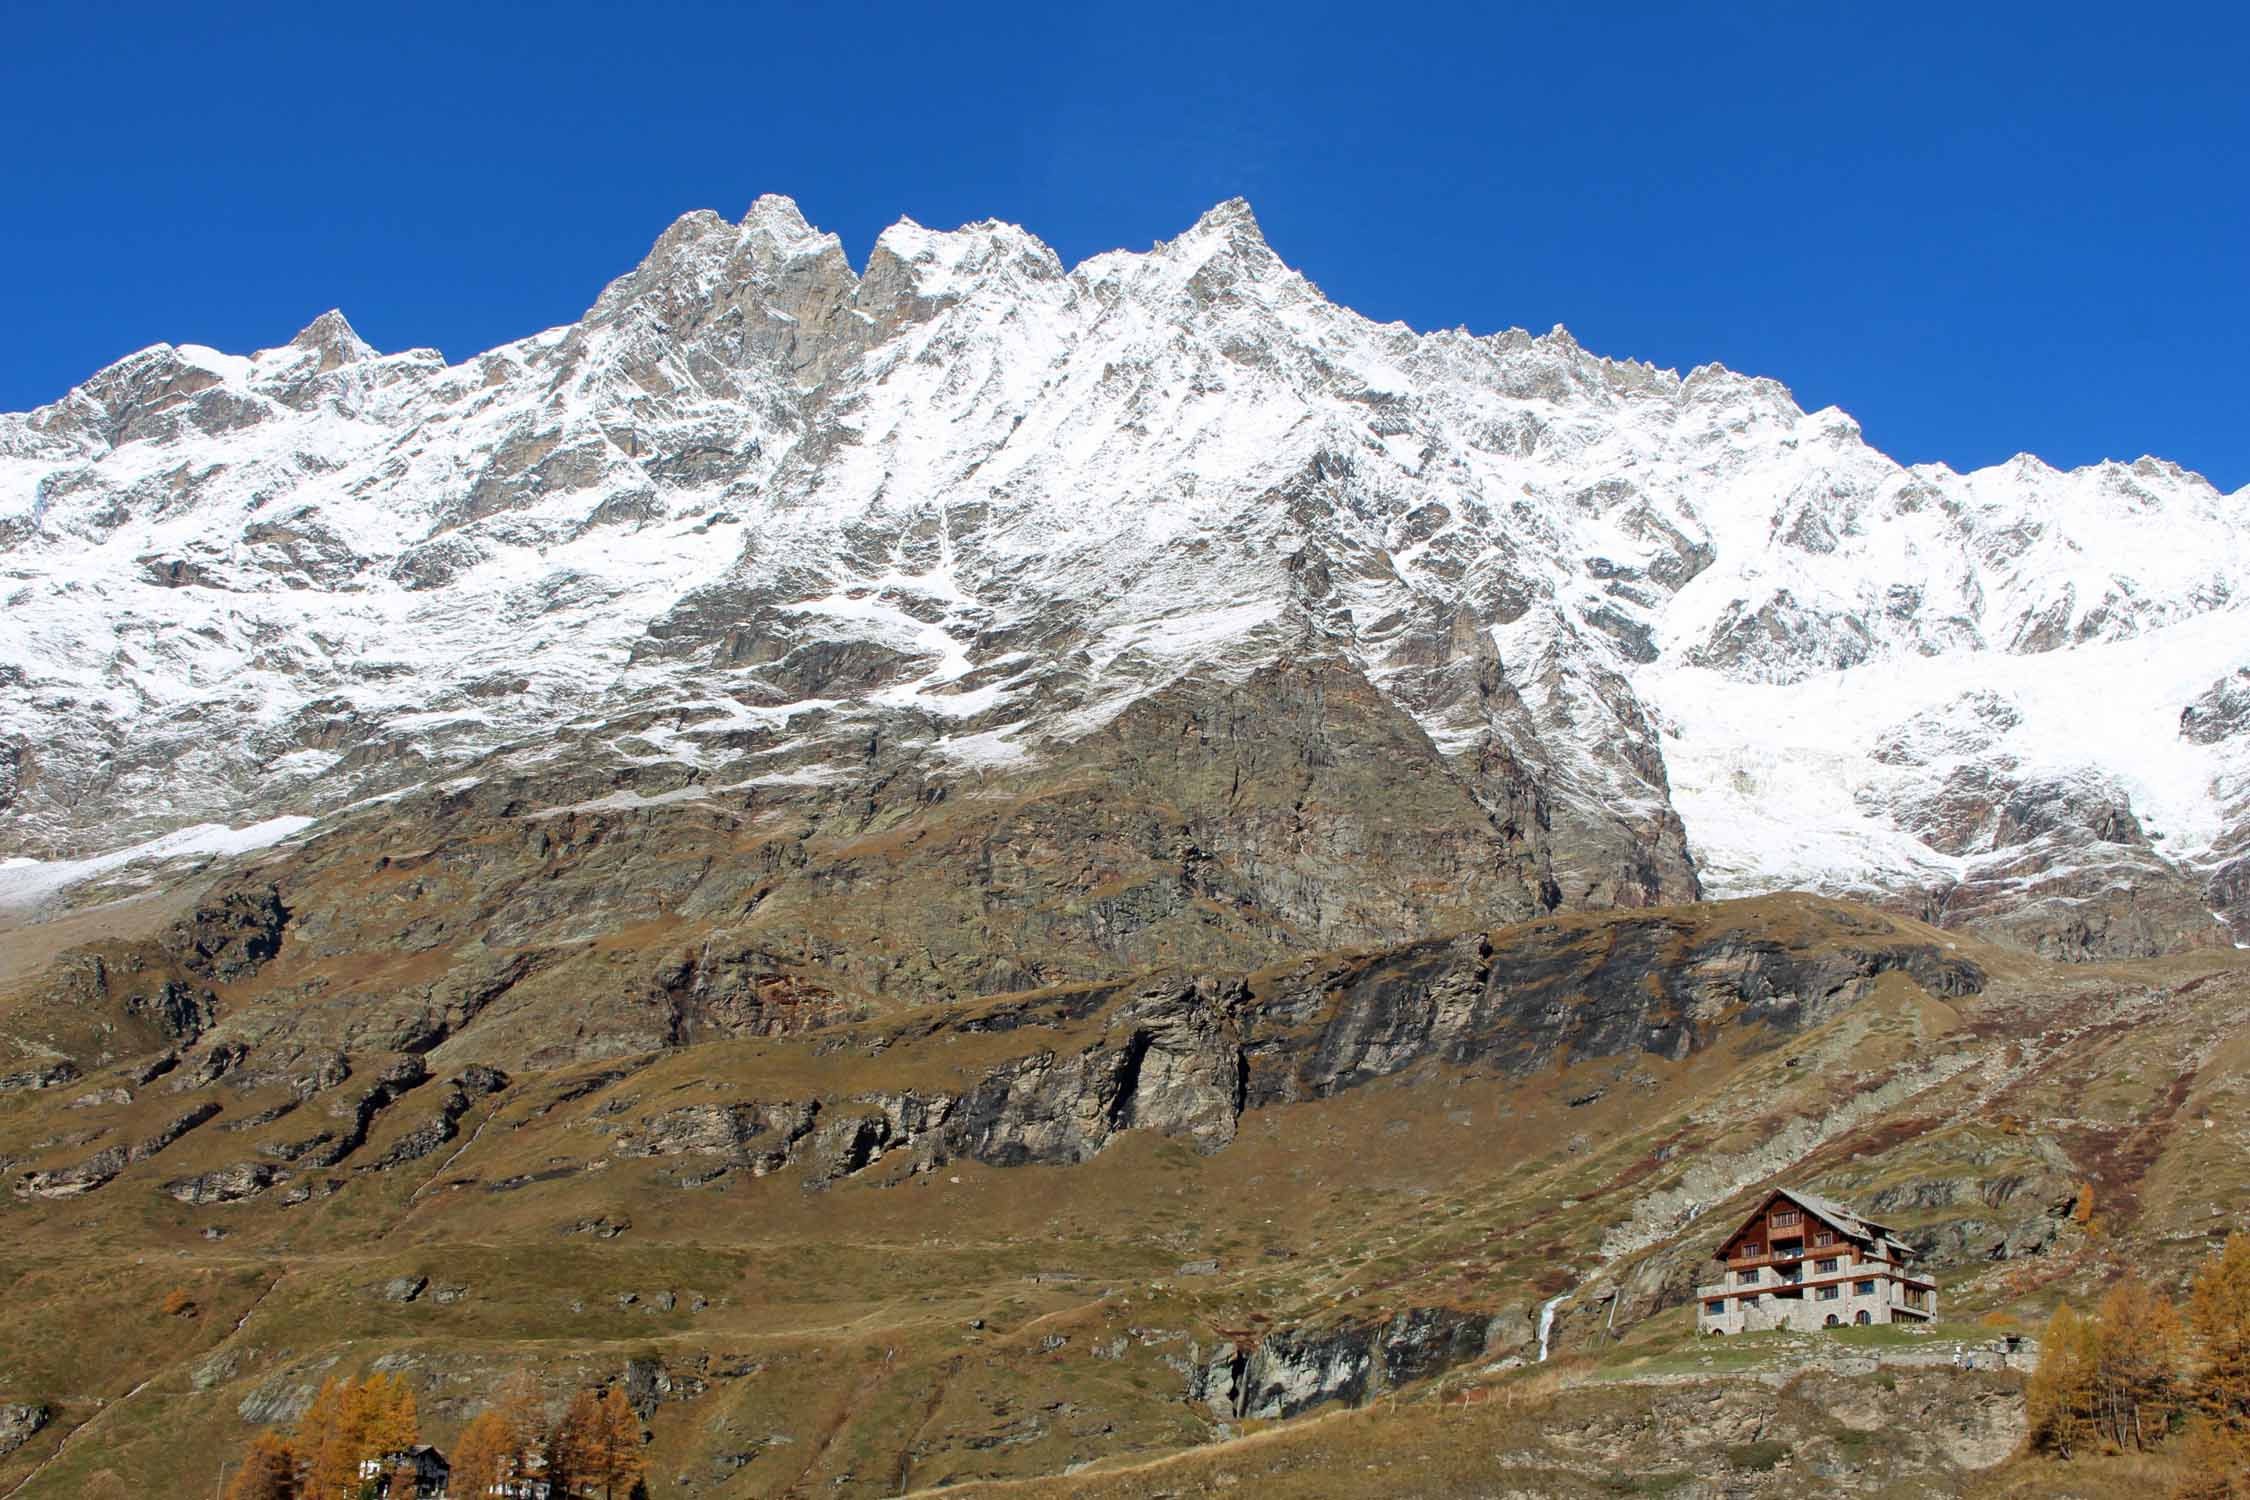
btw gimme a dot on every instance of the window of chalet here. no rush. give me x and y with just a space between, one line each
1824 1237
1746 1278
1749 1249
1829 1264
1829 1293
1863 1289
1785 1217
1716 1307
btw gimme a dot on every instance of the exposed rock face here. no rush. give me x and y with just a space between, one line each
230 938
356 1116
227 1185
2220 712
1199 620
44 1076
1188 1058
19 1423
1295 1370
1560 990
1171 1062
95 1170
759 1137
461 1095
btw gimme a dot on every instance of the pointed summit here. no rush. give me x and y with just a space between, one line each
777 212
776 230
1231 218
1230 231
1232 225
332 337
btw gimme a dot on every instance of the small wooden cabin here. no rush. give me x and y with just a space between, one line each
1804 1262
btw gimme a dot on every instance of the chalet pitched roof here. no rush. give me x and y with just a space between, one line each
1851 1223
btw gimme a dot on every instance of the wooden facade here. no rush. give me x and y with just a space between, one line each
1804 1262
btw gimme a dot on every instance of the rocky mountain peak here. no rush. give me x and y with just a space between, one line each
1232 222
332 339
777 215
924 269
972 510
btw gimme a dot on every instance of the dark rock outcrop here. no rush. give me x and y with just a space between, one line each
102 1166
227 1184
461 1095
20 1421
231 937
1293 1370
39 1076
1187 1057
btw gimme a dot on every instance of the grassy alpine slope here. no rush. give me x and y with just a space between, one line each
1104 1238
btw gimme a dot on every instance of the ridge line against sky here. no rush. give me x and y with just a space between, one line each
2015 230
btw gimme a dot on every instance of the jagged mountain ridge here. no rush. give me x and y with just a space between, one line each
765 526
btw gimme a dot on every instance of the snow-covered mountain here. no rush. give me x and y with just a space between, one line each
755 515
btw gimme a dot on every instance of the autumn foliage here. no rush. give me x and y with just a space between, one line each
351 1428
2218 1314
350 1424
268 1472
482 1455
2129 1375
596 1448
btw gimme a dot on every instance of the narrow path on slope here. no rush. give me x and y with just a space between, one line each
108 1407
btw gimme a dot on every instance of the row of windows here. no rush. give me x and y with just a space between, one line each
1914 1297
1751 1276
1821 1239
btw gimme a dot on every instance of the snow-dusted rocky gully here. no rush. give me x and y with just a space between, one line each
971 500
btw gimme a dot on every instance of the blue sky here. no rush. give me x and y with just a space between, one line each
1980 229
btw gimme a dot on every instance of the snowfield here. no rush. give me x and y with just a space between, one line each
967 497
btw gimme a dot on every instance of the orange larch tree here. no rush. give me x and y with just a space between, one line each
481 1456
268 1472
2136 1374
2219 1317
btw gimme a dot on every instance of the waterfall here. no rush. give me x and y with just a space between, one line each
1547 1323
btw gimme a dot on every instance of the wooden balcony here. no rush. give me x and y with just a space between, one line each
1848 1271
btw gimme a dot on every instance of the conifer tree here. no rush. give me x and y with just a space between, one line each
389 1422
2137 1364
349 1424
328 1439
268 1472
2060 1397
524 1416
481 1456
2214 1464
574 1447
622 1462
2219 1316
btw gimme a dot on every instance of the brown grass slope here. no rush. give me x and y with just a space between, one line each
982 1243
